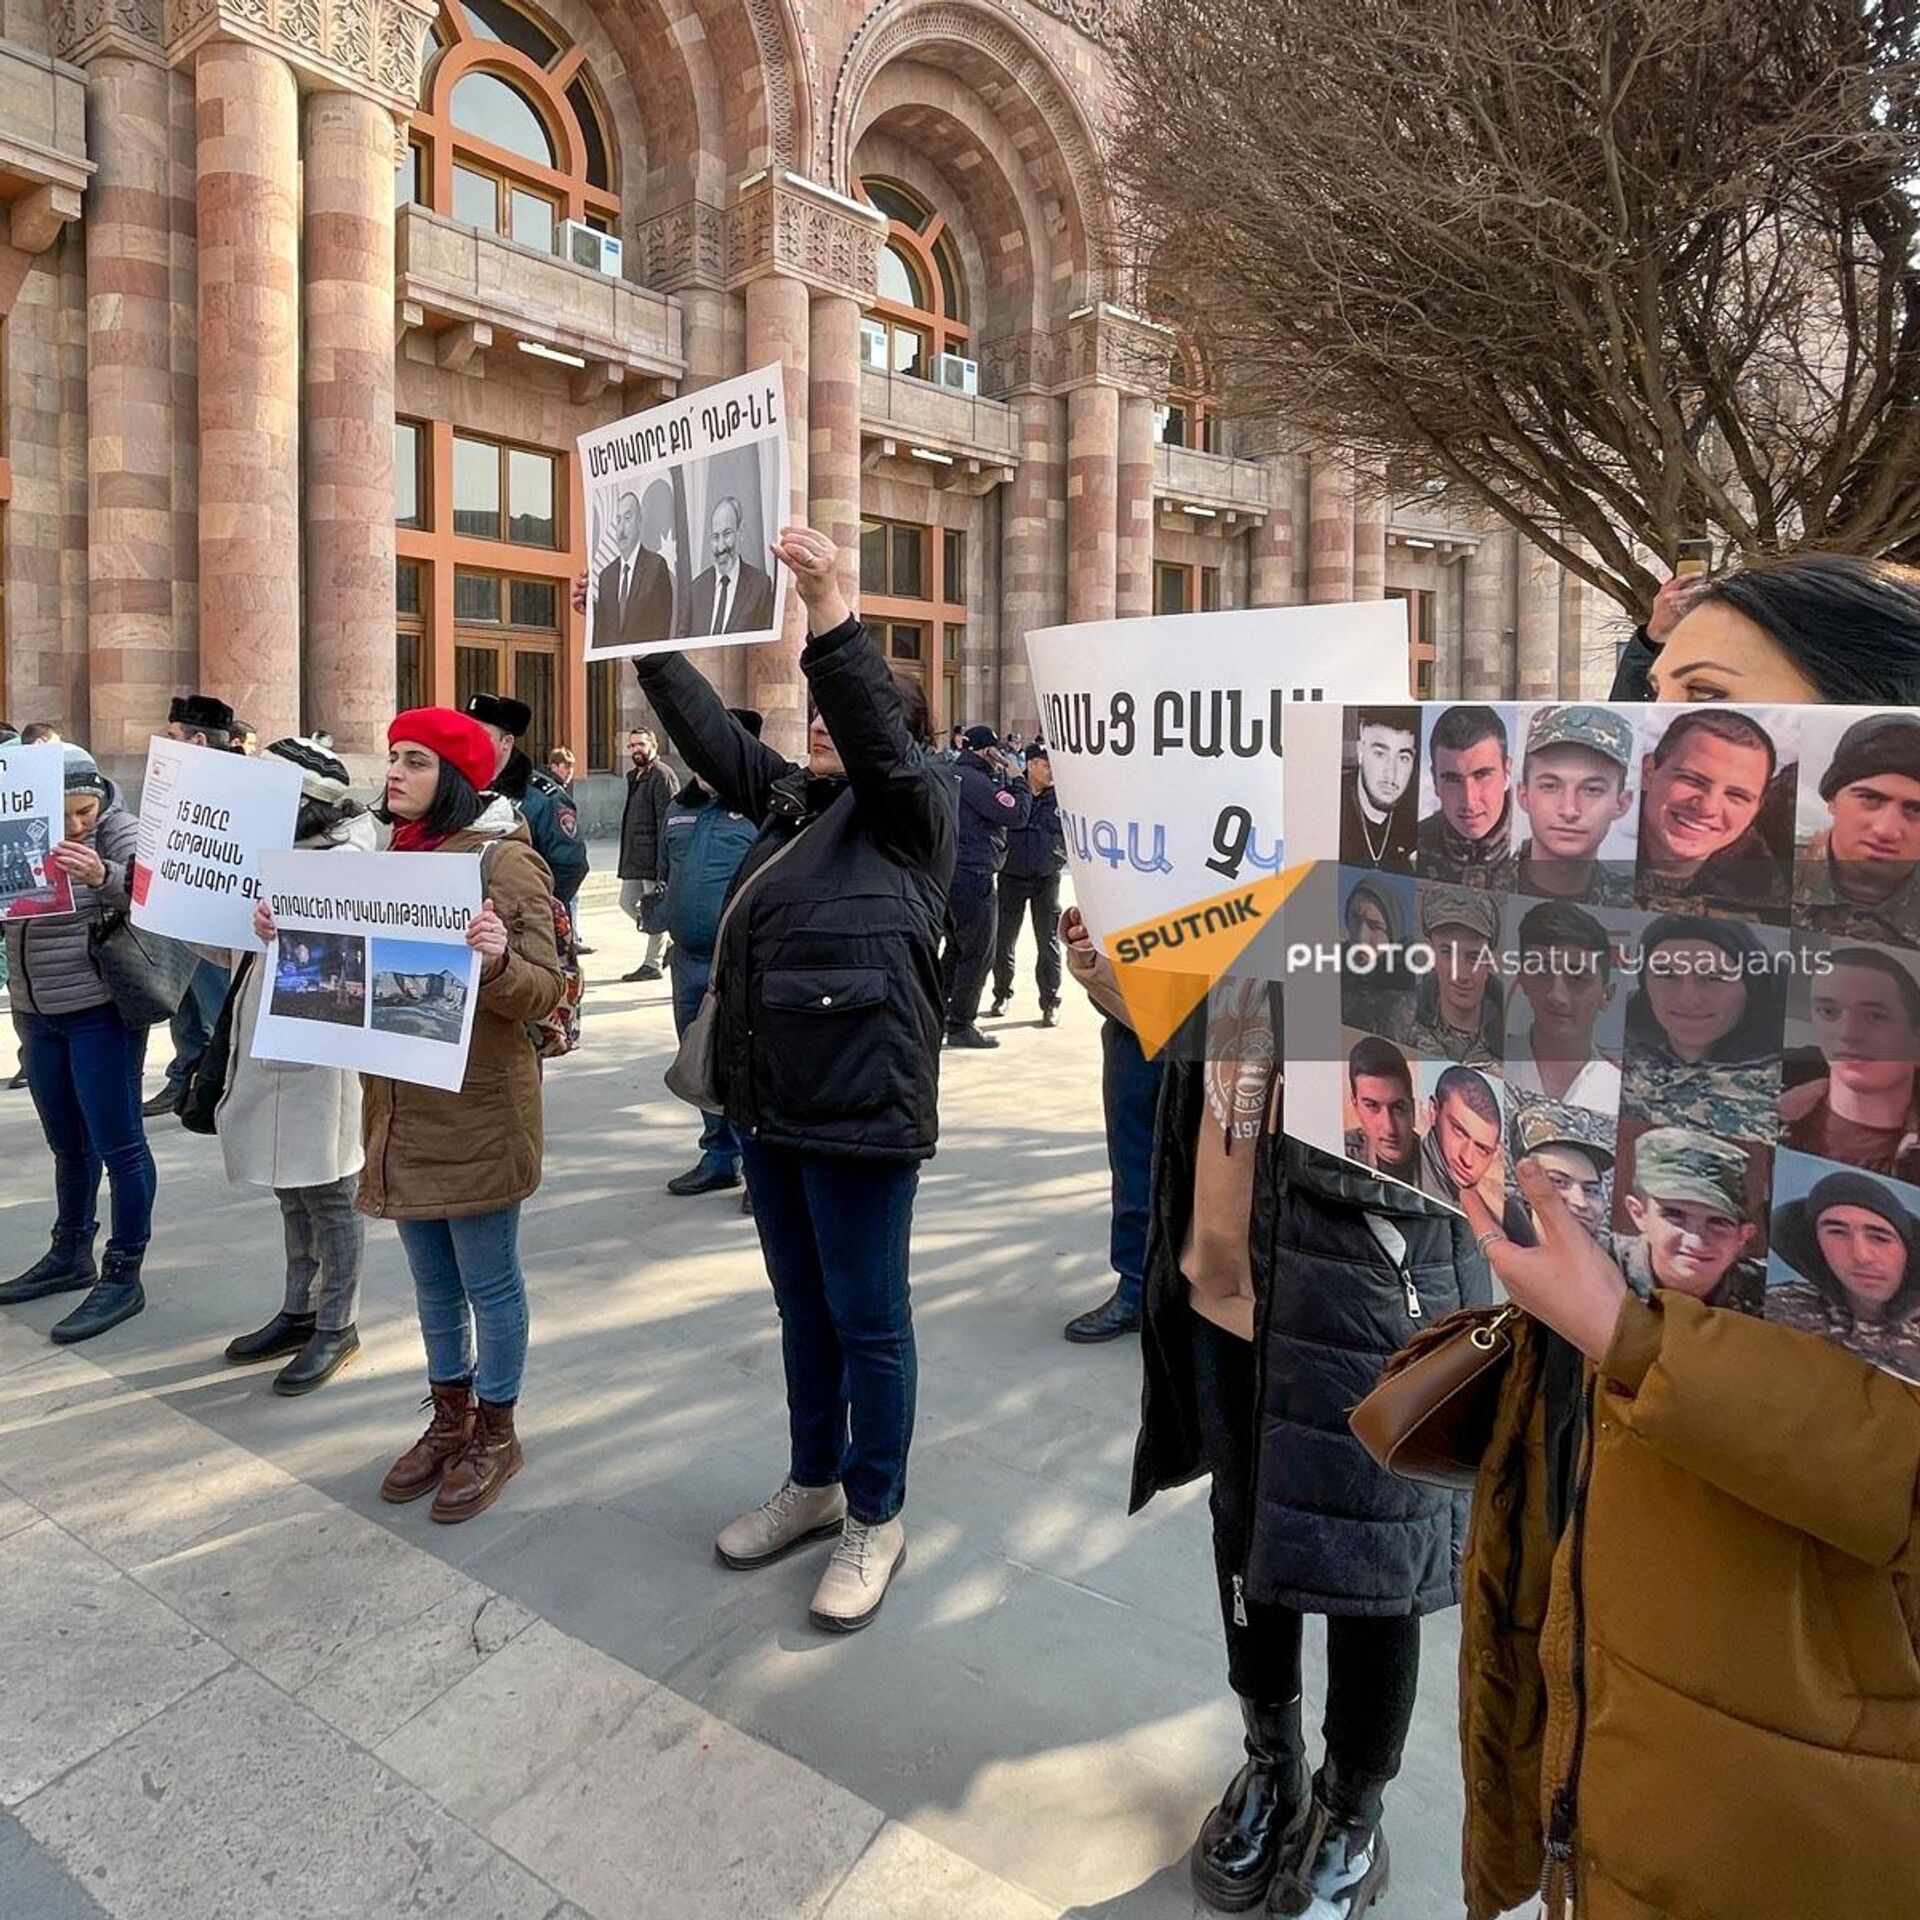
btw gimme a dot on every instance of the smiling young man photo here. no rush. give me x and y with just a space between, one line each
1702 790
1686 1206
1861 876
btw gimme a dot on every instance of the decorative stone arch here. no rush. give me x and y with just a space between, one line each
1023 88
770 125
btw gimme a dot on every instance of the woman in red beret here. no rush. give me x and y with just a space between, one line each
451 1169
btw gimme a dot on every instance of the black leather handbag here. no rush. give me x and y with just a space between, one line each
146 973
205 1087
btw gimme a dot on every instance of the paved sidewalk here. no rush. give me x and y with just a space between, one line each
233 1683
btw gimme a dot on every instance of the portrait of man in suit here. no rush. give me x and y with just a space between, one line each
633 604
730 595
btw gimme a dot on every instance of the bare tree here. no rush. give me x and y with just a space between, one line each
1622 271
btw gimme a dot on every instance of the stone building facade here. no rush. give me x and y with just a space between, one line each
293 362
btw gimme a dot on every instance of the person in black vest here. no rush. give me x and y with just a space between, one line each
828 1013
990 804
1279 1282
1030 887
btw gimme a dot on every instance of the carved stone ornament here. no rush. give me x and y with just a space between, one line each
778 226
91 27
1108 346
368 46
684 247
1017 363
1084 16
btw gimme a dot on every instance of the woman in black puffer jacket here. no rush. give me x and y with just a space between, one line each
829 1013
1279 1281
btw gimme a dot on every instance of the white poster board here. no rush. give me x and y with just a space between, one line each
32 824
371 969
684 502
205 819
1164 736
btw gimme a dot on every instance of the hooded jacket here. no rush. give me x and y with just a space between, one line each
829 1002
1705 1692
1332 1532
434 1155
48 956
282 1123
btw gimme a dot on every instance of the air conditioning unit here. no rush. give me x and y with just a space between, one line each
955 374
588 247
873 345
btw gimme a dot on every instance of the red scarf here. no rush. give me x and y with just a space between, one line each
409 836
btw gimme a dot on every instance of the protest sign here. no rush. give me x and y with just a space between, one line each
370 968
1672 953
32 824
684 502
205 819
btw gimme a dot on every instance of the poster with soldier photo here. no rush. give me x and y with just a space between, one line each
684 502
1672 953
32 824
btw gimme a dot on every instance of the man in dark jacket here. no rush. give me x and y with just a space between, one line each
1030 886
643 822
1279 1282
990 805
700 852
544 803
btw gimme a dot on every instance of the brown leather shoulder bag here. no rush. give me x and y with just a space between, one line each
1431 1415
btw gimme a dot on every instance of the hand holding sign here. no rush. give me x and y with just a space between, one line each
75 857
487 933
811 558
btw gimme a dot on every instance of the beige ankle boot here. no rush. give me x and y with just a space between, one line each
794 1515
857 1577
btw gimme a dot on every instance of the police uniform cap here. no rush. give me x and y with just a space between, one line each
1459 907
501 710
1675 1163
1595 728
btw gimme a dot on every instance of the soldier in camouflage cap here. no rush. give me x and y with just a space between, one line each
1455 1013
1573 788
1574 1149
1861 876
1687 1204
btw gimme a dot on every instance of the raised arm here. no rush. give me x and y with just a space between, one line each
739 768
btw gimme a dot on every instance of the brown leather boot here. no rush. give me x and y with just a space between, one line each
419 1469
490 1459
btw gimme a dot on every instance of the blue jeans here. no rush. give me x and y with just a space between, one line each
467 1281
691 972
192 1026
1129 1093
834 1233
83 1070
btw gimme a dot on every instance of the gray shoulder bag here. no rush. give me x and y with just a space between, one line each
694 1075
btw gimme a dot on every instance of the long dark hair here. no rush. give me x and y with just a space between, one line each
1756 1035
318 818
1852 626
457 803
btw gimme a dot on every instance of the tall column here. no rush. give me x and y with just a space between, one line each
833 429
140 648
248 155
779 327
1134 586
1272 563
348 439
1093 460
1370 536
1536 625
1027 570
1483 638
1330 528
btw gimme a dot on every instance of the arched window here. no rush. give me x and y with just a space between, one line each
1191 418
922 309
508 135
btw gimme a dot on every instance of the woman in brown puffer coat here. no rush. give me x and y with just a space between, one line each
451 1169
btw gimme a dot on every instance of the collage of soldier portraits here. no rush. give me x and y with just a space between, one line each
1671 952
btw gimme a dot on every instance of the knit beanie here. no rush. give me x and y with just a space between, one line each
1881 743
83 776
323 774
453 736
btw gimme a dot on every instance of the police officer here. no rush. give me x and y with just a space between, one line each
1687 1203
544 802
989 804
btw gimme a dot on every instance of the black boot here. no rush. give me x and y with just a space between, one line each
65 1267
284 1333
317 1362
1261 1815
1341 1871
1108 1321
117 1295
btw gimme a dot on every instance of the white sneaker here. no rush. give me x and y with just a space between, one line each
794 1515
858 1575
